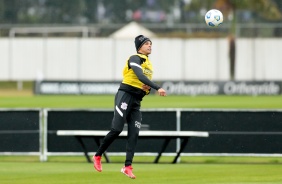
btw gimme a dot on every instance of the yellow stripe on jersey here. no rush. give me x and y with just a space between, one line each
130 78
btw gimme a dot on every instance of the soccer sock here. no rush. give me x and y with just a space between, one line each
108 140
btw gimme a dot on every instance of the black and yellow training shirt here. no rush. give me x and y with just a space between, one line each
138 71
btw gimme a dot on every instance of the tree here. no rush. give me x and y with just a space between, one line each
64 11
264 8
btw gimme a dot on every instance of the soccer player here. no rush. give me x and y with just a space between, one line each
137 75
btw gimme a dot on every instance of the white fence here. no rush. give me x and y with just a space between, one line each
102 59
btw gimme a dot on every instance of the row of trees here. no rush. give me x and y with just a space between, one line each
73 11
121 11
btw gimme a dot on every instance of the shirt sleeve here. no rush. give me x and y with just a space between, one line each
135 63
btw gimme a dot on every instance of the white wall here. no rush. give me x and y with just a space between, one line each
4 59
259 59
102 59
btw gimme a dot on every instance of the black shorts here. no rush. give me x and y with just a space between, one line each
127 110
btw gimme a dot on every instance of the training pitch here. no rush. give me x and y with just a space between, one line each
151 101
219 170
68 172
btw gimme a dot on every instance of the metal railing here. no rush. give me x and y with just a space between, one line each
165 30
45 31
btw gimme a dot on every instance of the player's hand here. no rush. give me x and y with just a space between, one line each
145 87
162 92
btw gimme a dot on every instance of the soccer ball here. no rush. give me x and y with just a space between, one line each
214 18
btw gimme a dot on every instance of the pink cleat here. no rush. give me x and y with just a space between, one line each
97 163
127 170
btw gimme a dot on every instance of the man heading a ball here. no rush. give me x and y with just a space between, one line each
137 76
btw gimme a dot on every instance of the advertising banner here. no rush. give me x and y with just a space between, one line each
192 88
75 88
223 88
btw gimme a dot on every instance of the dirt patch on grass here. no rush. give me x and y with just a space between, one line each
14 92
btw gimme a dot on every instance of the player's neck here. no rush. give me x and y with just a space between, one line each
142 54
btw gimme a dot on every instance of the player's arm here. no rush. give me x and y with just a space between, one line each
135 64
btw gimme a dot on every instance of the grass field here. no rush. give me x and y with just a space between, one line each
194 170
151 101
60 173
10 97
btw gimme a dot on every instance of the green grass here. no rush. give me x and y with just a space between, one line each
151 101
150 159
194 170
29 173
